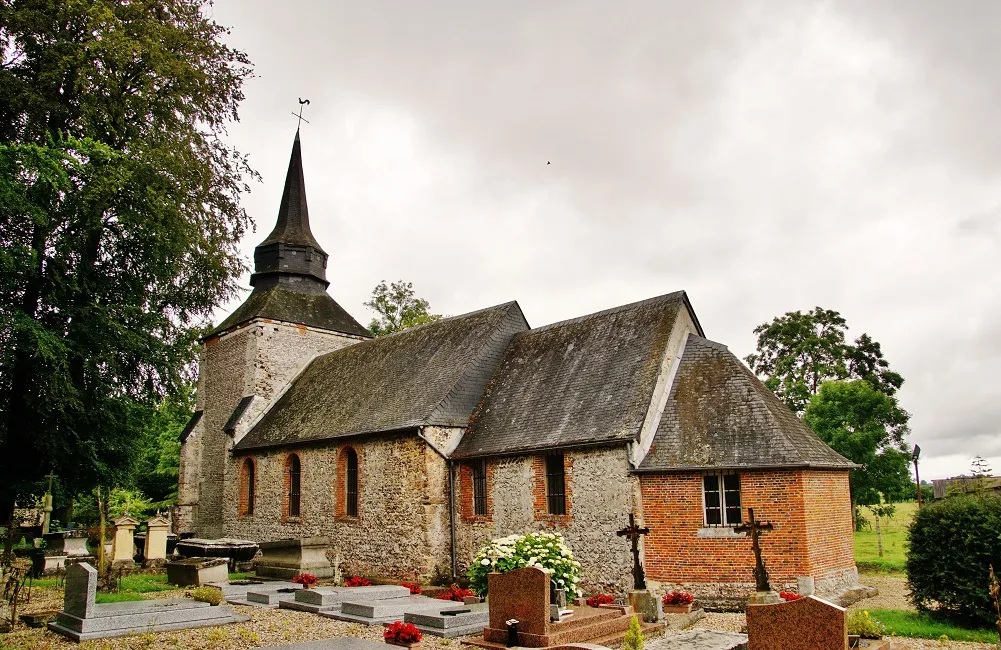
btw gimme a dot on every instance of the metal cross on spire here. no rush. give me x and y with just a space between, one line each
299 114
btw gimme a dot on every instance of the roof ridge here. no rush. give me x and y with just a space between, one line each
664 298
444 319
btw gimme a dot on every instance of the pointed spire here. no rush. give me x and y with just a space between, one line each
293 214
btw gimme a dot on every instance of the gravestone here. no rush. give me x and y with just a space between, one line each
287 558
522 595
123 546
805 624
763 591
195 571
156 542
80 590
643 602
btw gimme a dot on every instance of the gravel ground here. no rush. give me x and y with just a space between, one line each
892 592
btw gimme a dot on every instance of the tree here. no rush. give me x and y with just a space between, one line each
119 224
155 474
979 468
398 307
798 352
868 427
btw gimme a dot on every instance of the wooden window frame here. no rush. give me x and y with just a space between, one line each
729 513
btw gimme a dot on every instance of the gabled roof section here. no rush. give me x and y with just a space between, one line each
281 304
428 375
241 408
584 381
720 415
190 426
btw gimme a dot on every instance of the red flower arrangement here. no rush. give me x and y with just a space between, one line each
788 595
307 580
415 589
399 633
456 593
600 599
357 581
678 599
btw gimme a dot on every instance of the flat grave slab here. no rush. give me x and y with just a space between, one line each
451 626
700 640
339 643
330 599
237 593
270 598
386 611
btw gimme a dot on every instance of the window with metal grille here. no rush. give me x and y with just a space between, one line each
295 481
351 491
556 489
480 487
721 496
248 486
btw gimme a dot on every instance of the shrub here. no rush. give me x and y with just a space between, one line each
414 588
865 626
206 594
357 581
600 599
952 544
634 636
399 632
307 580
546 551
456 593
678 598
788 595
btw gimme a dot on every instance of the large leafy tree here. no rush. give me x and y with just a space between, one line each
868 427
398 307
119 223
797 352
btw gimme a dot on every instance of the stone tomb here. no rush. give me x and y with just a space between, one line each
83 619
195 571
387 610
155 551
523 595
328 599
805 624
287 558
471 619
63 548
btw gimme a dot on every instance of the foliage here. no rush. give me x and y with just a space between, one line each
141 583
121 501
207 594
307 580
456 593
995 593
679 598
120 224
546 551
953 542
600 599
923 625
867 427
400 632
398 307
415 588
357 581
156 470
117 597
864 625
798 352
789 596
634 636
979 468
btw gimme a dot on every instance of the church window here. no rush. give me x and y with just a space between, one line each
480 488
721 496
247 485
556 488
294 485
351 478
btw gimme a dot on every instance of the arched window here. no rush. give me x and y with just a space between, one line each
294 485
247 486
351 479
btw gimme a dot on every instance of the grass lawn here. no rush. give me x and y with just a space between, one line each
894 540
117 597
921 626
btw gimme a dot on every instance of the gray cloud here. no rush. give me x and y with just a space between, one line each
764 156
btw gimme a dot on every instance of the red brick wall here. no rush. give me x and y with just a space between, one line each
540 505
467 508
341 485
800 545
287 487
247 467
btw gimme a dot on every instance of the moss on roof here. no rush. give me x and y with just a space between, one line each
278 303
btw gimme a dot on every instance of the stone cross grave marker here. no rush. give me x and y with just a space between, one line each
755 528
633 532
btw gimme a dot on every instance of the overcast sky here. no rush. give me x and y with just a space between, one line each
763 156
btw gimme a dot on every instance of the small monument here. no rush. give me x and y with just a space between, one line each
644 603
123 546
156 542
763 594
805 624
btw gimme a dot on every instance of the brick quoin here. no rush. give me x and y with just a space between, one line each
811 511
540 505
466 505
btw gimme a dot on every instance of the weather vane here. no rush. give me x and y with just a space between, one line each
299 115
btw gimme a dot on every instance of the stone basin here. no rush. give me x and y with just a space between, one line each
237 551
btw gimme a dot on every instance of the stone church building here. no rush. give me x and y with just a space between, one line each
410 450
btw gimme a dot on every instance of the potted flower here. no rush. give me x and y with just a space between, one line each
307 580
415 588
402 634
357 581
598 600
456 593
677 602
789 596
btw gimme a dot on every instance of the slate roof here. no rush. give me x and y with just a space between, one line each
428 375
278 303
584 381
190 426
720 415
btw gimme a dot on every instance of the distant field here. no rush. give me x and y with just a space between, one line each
894 540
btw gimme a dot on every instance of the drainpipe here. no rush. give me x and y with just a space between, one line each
451 513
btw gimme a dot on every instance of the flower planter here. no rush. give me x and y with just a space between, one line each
678 609
416 645
853 640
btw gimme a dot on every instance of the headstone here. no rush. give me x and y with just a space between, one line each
123 546
156 541
805 585
196 571
287 558
647 605
80 590
805 624
522 594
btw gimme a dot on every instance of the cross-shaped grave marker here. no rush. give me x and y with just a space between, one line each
755 528
633 532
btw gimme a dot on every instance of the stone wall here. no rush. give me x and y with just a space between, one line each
601 493
401 530
259 358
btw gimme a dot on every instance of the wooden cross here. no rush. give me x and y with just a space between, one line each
299 115
51 475
633 532
755 529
